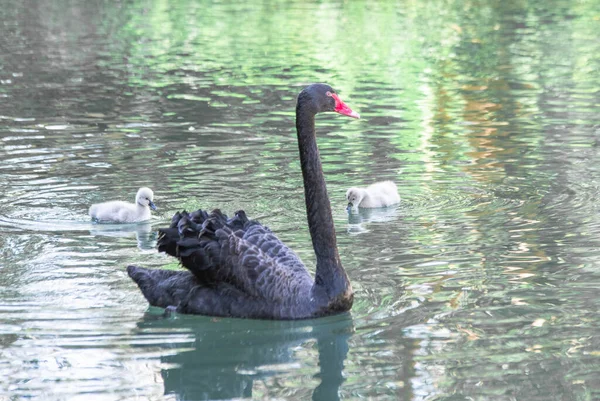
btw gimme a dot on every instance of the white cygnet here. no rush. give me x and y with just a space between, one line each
125 212
380 194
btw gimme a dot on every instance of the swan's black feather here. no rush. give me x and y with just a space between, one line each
237 251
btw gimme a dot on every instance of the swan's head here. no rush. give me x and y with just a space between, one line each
144 198
321 97
354 197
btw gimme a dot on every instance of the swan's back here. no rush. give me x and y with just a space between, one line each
238 257
380 194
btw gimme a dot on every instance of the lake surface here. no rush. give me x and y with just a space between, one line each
481 285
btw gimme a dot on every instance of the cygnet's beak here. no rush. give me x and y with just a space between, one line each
349 206
152 205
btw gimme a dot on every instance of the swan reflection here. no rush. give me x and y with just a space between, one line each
233 358
145 235
358 221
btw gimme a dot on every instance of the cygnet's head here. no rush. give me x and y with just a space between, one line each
144 198
354 197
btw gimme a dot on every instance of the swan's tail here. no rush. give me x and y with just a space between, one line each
180 289
162 288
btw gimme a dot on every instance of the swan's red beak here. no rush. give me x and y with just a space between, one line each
340 107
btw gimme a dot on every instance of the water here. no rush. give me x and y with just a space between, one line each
481 285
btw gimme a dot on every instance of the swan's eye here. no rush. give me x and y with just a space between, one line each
328 93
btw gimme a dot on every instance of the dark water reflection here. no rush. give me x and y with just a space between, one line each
257 352
482 284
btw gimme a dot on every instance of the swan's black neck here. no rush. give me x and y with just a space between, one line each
330 274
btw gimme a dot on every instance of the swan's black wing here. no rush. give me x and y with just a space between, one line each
238 252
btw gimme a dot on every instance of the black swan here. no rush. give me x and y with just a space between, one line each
238 267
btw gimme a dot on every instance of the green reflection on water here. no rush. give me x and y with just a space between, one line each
484 283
